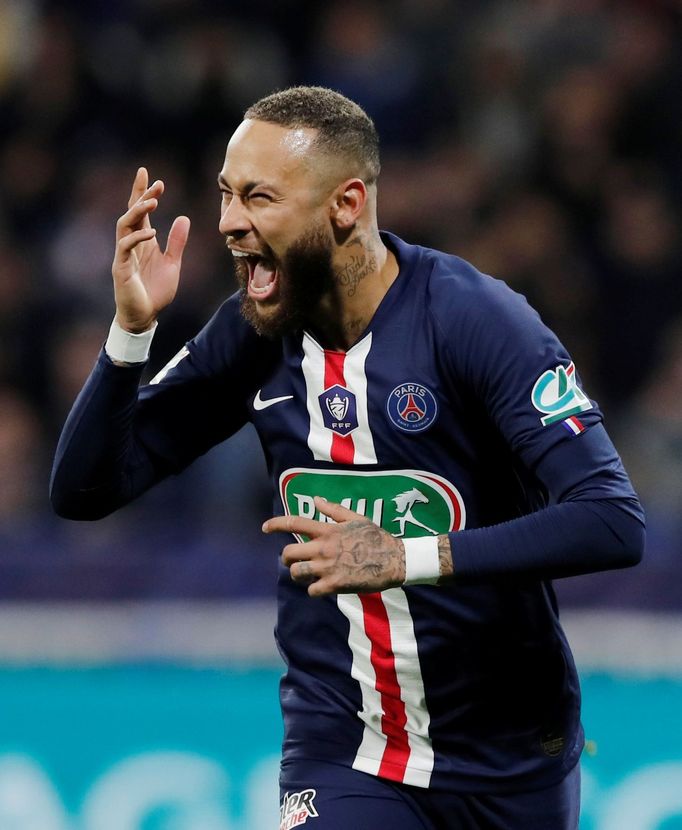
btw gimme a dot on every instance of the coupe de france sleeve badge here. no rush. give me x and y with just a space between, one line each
556 394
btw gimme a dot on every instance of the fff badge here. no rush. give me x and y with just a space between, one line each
339 410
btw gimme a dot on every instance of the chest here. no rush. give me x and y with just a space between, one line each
378 403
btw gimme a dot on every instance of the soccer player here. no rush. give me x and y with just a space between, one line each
433 456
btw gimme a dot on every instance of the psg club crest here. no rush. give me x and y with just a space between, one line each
412 407
339 410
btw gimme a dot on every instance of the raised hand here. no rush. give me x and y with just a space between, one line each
353 556
145 278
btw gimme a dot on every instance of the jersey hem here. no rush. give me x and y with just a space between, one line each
477 782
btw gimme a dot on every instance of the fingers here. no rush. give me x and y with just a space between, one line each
312 562
143 201
142 189
296 524
136 217
319 588
306 573
127 243
132 229
139 185
335 511
303 573
298 558
312 527
299 552
177 238
305 569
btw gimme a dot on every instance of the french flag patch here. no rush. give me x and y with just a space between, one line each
573 425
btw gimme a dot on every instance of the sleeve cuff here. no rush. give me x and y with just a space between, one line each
125 347
422 562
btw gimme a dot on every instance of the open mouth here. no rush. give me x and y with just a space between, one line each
263 275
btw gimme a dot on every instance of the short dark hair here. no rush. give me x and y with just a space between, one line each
344 128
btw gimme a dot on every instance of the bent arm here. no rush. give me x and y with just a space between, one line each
119 439
99 465
595 522
568 539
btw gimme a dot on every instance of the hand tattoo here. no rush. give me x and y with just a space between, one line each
365 553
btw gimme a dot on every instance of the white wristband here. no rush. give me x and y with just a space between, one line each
126 347
422 562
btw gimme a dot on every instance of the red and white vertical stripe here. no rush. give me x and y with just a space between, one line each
395 742
323 368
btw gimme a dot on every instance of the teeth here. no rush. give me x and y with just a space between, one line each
259 290
240 253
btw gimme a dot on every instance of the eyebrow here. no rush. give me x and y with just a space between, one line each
248 187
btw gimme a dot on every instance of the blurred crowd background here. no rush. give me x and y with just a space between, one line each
540 139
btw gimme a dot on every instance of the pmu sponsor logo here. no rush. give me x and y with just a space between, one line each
412 407
296 809
556 394
406 503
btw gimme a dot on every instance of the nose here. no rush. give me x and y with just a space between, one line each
234 220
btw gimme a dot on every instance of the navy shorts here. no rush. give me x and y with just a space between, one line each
334 797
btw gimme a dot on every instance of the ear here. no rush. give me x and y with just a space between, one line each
350 199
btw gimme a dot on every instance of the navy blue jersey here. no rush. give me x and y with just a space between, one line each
457 411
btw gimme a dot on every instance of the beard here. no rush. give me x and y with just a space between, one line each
305 277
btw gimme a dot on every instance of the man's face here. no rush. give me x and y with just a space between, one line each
275 217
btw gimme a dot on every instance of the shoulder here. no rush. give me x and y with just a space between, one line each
228 337
458 293
227 352
458 296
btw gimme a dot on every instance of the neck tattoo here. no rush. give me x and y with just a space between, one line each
356 270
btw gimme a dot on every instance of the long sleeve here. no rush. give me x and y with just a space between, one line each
120 438
99 465
593 522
